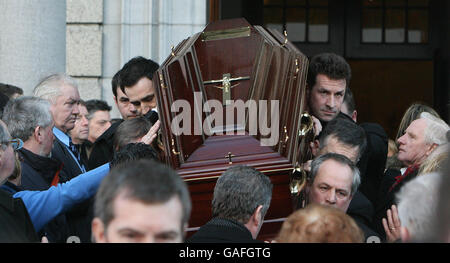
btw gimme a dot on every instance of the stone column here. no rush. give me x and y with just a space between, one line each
145 28
84 45
32 41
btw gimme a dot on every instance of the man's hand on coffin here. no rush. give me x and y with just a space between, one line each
151 134
317 126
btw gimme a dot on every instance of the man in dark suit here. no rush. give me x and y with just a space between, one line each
136 75
62 93
241 199
343 136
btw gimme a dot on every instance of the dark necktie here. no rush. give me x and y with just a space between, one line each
74 149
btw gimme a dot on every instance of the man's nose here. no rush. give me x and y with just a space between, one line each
401 140
85 121
76 109
331 197
132 108
331 103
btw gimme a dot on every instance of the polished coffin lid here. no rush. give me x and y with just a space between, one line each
232 60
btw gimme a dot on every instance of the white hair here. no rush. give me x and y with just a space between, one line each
436 130
50 87
418 202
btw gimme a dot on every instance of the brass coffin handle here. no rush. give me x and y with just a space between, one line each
298 181
306 124
173 148
285 38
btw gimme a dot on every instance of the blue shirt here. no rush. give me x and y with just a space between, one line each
44 206
65 139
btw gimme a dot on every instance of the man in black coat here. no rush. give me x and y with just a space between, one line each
240 201
62 93
15 222
343 136
135 74
373 159
29 119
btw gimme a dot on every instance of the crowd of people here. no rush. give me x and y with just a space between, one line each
68 170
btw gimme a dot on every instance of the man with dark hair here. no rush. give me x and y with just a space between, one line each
373 159
11 91
80 132
343 136
241 199
132 152
99 118
328 77
136 76
131 131
136 82
142 201
126 109
349 106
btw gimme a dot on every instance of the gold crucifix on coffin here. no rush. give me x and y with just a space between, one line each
226 86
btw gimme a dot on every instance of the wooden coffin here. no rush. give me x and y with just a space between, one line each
233 60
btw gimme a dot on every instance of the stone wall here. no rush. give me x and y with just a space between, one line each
32 41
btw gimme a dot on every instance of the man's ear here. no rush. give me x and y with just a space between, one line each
38 134
98 230
431 149
404 234
255 221
355 116
314 146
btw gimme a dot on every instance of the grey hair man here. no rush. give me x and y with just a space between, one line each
421 138
141 202
241 199
29 119
62 93
418 203
334 179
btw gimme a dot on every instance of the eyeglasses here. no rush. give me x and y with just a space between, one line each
16 144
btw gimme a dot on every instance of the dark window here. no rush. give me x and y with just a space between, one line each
305 21
394 21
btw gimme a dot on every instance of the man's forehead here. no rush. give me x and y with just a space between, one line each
323 81
417 126
334 173
333 144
